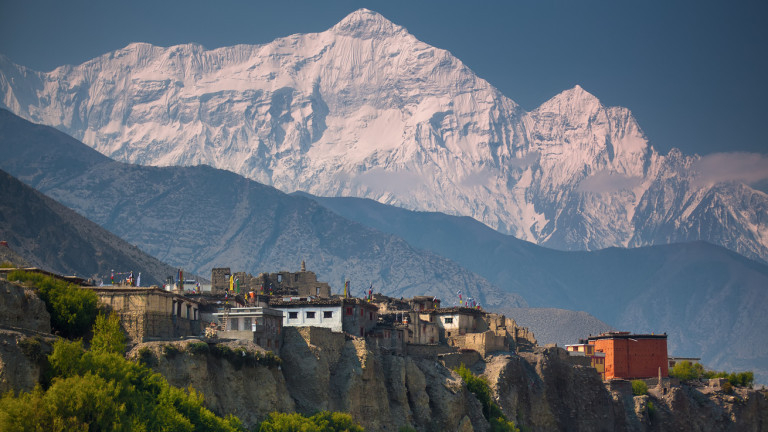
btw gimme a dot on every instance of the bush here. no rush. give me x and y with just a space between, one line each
500 424
147 357
324 421
639 388
240 356
197 348
727 388
31 347
108 336
73 309
170 351
651 409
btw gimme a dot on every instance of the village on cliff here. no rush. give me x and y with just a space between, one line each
240 306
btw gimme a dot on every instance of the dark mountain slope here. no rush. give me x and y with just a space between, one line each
199 218
53 237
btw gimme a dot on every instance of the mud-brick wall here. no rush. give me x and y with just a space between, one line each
141 327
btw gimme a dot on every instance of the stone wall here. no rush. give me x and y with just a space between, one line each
146 326
484 343
220 279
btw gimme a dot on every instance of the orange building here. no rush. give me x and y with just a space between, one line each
632 356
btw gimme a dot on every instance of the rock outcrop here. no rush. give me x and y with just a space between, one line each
25 338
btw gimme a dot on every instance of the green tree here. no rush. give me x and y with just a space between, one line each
108 336
73 309
687 371
101 390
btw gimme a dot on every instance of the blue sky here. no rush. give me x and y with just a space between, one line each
694 73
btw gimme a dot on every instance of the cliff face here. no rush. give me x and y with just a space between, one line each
542 390
25 338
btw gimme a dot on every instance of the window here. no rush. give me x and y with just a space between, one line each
327 314
370 316
310 315
317 291
293 315
279 278
449 320
362 332
361 311
349 311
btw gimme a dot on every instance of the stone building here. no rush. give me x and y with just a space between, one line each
262 325
300 284
422 331
456 321
220 279
351 315
424 303
151 313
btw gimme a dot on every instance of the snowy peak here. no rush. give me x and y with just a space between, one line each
575 100
366 24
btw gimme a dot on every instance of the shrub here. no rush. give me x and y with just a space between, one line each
324 421
727 388
651 409
639 388
73 309
108 336
500 424
170 350
31 347
197 348
147 357
240 356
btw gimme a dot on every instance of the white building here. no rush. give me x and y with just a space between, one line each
351 315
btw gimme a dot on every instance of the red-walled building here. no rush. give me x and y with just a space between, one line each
632 356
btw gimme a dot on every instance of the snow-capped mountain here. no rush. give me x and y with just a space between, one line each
365 109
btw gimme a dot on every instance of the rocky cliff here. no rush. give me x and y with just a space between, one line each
541 390
25 338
